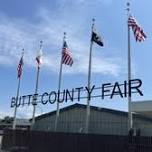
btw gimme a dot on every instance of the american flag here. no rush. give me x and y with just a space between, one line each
19 68
138 31
66 55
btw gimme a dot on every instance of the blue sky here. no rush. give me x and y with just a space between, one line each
23 23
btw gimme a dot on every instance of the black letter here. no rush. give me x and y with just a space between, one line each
116 92
23 102
79 89
29 101
18 101
44 101
90 91
106 85
53 92
60 101
135 87
13 102
125 88
34 99
70 95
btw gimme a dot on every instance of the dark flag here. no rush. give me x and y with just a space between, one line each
96 38
39 56
138 31
66 55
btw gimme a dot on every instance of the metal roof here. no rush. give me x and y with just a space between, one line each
77 105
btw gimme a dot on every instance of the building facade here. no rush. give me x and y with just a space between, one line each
102 121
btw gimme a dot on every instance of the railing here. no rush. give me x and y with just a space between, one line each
34 141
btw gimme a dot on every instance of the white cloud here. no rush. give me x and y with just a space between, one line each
5 60
26 112
79 2
3 113
16 34
22 112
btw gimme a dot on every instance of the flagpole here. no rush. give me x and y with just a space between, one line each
36 89
15 111
89 81
17 96
130 119
59 88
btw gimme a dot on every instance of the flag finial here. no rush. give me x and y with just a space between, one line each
128 7
64 35
41 43
22 51
93 21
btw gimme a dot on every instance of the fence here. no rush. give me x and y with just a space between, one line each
36 141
